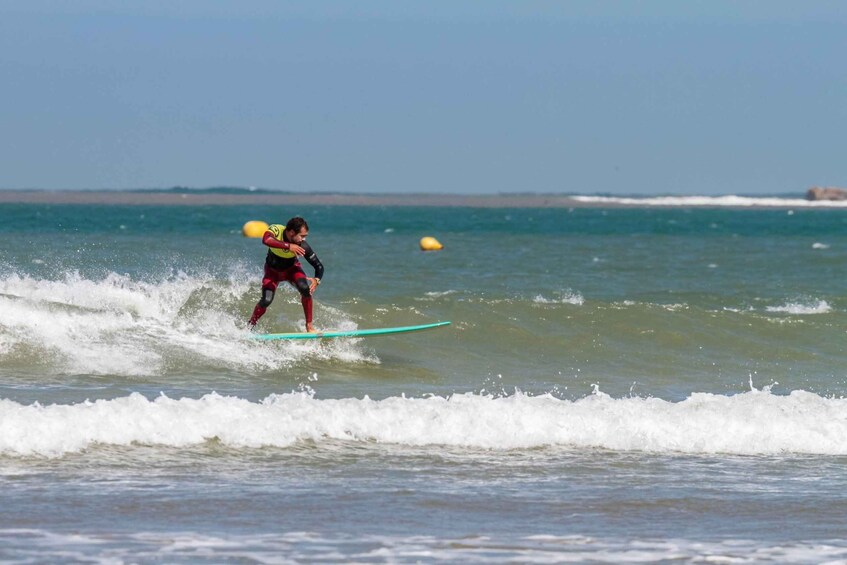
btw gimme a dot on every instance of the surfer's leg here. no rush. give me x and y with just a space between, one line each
302 284
262 305
269 283
307 311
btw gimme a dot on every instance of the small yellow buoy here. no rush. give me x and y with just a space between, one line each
255 228
430 244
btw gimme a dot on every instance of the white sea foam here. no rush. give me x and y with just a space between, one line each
719 201
818 245
39 545
756 422
78 324
814 307
564 297
439 294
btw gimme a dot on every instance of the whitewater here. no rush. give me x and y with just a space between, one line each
753 423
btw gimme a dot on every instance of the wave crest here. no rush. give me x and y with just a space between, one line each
75 325
755 422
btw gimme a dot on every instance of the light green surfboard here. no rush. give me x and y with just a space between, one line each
350 333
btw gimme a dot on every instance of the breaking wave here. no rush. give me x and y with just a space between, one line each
717 201
75 325
752 423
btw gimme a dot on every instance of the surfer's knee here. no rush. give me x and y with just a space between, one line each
267 298
303 286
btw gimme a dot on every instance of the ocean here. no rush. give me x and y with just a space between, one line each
663 382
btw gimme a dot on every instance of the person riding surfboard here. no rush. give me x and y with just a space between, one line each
286 244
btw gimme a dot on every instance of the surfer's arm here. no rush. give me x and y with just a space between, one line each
271 241
313 260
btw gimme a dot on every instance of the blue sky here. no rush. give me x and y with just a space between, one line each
475 97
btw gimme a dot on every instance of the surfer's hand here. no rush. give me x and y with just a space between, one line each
296 249
313 284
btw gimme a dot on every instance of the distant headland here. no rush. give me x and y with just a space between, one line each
826 193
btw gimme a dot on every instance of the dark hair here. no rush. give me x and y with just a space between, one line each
296 223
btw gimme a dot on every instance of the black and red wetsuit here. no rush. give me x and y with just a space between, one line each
282 264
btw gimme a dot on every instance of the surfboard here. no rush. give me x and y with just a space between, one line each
350 333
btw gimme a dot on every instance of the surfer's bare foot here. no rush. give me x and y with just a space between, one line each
310 328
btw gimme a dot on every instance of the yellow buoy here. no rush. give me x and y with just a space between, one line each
255 228
430 244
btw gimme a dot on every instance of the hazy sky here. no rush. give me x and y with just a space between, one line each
679 97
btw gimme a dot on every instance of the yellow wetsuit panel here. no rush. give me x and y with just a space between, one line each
278 231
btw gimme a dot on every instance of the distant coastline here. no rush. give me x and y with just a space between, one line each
212 197
237 196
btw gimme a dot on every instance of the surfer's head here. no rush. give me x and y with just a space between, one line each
296 229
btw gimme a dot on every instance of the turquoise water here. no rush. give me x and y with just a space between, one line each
618 384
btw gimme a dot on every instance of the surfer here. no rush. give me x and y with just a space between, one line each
285 244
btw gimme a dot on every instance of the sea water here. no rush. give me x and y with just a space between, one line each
659 383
